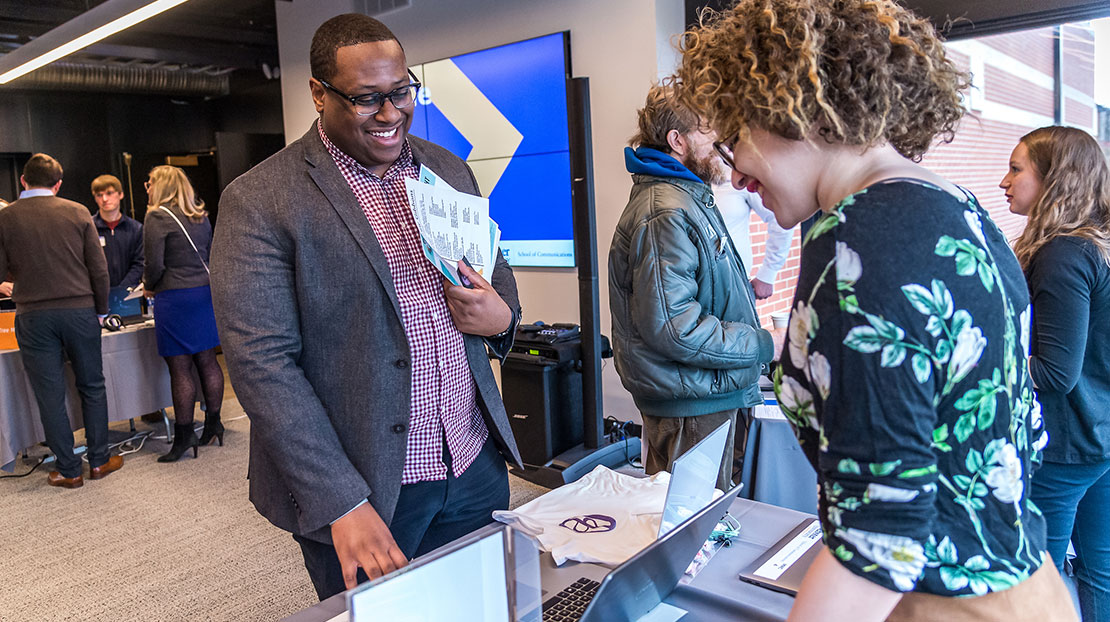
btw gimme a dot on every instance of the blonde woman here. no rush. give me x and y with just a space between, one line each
905 374
1059 178
176 240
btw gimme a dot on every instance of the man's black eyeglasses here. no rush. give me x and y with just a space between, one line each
371 103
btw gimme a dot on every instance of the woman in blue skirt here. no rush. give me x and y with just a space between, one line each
176 240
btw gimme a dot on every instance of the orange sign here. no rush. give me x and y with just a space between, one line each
7 331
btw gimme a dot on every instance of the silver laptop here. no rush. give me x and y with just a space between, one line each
694 478
635 587
783 566
491 575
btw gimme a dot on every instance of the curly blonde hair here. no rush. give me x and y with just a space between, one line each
170 186
1075 199
856 72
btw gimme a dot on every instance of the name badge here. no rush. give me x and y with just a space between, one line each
103 242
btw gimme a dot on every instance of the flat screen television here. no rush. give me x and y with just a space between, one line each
504 111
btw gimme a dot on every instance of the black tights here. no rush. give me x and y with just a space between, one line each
183 385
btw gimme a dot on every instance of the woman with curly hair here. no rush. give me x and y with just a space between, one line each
1060 179
176 239
905 372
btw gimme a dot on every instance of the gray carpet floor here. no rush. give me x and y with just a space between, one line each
153 542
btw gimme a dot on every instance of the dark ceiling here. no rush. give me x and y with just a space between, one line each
210 36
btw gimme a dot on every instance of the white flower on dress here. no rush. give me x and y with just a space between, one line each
976 225
1036 423
965 356
819 373
803 324
1025 328
1005 475
848 266
797 400
903 558
882 492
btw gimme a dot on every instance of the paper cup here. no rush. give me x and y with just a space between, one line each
780 320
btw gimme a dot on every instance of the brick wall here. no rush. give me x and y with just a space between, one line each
1079 58
784 285
1031 47
977 160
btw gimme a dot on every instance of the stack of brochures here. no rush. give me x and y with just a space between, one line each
453 226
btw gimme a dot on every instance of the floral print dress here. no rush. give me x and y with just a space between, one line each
906 381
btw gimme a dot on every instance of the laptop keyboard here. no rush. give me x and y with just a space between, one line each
569 604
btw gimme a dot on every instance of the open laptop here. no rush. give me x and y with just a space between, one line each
783 566
129 311
694 478
491 575
592 593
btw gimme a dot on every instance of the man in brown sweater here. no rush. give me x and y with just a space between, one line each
50 247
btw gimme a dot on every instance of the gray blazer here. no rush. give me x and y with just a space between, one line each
311 328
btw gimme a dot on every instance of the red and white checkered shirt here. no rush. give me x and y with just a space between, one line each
444 403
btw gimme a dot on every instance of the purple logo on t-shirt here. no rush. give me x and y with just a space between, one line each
590 523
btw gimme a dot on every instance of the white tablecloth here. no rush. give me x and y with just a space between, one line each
136 381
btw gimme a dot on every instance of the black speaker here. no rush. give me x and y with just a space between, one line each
544 402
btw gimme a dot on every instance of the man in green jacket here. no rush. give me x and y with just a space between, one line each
686 337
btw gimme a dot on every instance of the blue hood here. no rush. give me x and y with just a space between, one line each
648 161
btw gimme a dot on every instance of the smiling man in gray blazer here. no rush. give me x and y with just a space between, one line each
377 431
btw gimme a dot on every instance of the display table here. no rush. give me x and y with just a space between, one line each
136 382
715 594
776 470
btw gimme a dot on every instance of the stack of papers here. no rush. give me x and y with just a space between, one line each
453 225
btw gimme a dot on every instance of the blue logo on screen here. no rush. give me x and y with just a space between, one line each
504 111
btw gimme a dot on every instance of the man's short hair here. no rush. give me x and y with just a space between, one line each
42 171
105 183
661 114
339 32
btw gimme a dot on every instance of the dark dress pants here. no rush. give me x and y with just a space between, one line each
46 338
428 515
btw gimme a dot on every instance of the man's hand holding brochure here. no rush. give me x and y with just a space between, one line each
453 226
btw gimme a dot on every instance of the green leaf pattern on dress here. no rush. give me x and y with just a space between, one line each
993 472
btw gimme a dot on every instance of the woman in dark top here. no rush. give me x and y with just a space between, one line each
904 375
176 240
1059 178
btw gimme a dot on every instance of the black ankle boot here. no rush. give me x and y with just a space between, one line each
212 429
183 439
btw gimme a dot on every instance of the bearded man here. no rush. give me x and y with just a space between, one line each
686 336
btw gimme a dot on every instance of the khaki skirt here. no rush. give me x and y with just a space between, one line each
1042 597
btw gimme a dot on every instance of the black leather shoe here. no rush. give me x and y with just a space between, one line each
183 439
213 429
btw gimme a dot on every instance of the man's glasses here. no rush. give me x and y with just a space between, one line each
725 153
371 103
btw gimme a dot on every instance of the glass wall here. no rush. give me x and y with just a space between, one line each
1015 90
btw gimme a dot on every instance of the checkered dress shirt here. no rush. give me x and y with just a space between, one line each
444 404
